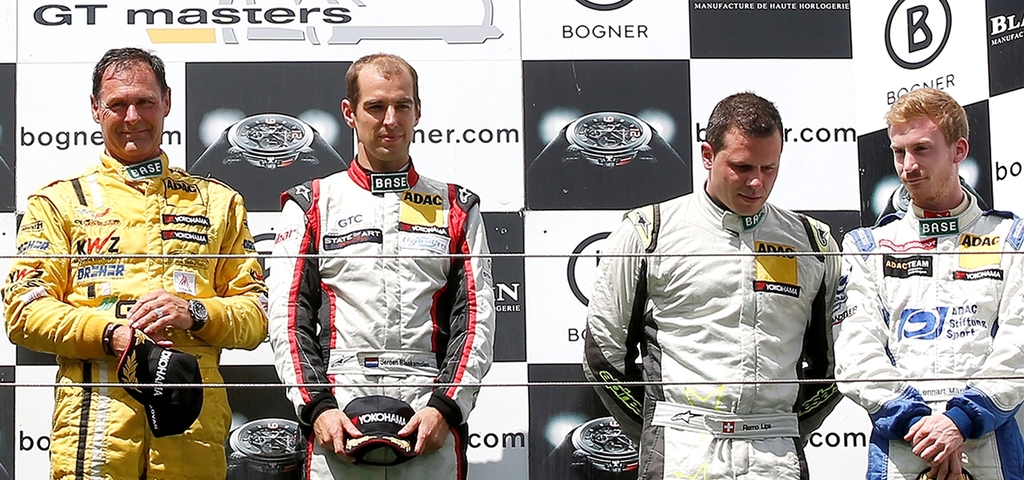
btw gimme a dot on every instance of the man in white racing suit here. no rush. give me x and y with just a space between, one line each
714 328
399 299
936 292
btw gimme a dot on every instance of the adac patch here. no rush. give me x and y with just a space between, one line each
906 267
646 220
978 251
781 269
421 208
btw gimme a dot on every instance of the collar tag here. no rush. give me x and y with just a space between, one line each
148 169
389 182
751 222
939 227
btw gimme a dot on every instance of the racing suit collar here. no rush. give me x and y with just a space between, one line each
146 170
729 220
959 219
383 182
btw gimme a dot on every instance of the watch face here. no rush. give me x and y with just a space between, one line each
271 134
608 133
268 438
198 310
607 446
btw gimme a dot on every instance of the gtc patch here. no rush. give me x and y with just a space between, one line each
337 242
779 269
200 238
198 220
773 287
928 244
422 209
991 273
906 267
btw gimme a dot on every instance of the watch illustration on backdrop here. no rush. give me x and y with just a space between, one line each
601 446
608 139
270 140
605 160
597 449
265 449
265 154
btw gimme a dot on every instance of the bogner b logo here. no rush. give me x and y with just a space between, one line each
917 31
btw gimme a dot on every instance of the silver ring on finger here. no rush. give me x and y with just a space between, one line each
159 312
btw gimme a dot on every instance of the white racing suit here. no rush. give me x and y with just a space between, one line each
710 319
359 318
906 311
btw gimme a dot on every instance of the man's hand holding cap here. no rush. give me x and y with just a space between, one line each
169 410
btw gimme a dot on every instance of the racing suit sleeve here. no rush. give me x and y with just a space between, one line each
817 400
36 317
988 403
615 319
470 345
238 317
294 304
860 327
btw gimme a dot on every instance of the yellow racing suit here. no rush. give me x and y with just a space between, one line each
63 305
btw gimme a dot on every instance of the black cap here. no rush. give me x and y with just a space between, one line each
380 418
169 411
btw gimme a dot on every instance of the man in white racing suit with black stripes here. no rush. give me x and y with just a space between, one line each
399 298
713 329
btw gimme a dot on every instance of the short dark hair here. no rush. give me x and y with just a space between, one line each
752 115
387 64
122 58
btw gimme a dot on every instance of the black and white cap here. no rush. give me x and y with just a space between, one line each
380 418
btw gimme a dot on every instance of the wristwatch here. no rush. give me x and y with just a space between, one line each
199 315
602 450
265 449
271 141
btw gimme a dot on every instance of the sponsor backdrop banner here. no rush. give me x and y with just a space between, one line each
560 114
